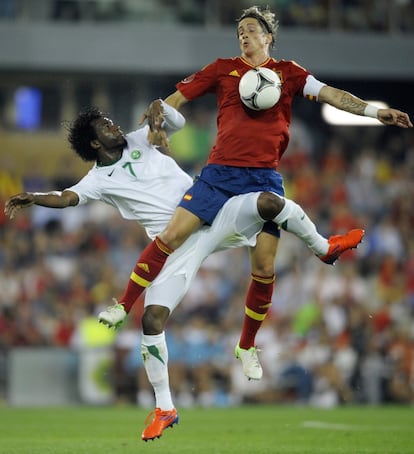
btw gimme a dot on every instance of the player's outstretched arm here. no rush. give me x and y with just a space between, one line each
176 100
163 120
54 199
349 103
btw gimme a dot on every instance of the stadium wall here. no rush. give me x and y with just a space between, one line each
124 48
58 376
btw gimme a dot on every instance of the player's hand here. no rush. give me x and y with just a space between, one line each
154 115
394 117
18 201
158 138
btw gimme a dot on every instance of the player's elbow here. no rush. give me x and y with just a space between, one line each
69 198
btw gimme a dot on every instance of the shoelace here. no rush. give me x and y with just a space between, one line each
153 413
114 306
149 417
253 354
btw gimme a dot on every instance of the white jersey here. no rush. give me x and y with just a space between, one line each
236 224
144 185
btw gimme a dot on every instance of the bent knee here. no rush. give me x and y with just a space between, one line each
153 320
269 205
173 238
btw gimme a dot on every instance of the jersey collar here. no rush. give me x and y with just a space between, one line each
256 66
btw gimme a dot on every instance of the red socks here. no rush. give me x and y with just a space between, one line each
258 302
146 269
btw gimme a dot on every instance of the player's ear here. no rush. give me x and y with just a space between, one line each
95 144
269 38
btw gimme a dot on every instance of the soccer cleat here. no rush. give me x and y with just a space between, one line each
113 316
161 420
250 362
341 243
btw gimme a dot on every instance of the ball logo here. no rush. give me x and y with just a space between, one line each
260 88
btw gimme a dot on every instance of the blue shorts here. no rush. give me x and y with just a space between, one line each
217 183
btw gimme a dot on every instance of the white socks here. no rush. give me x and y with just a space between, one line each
294 220
155 357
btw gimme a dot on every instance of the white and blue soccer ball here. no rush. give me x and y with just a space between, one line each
260 88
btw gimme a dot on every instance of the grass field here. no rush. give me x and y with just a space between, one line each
247 429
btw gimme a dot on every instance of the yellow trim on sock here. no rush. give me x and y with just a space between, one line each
163 247
263 280
265 306
139 280
254 315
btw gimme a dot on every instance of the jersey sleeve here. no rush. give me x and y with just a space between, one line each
297 77
199 83
312 87
173 120
306 84
87 189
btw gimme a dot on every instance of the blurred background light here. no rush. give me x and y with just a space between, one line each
338 117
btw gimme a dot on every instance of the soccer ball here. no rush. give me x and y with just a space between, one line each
260 88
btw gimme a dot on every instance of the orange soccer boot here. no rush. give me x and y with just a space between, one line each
341 243
161 420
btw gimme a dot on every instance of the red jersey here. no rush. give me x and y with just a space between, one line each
246 138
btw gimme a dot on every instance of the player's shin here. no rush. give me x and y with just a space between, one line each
258 302
155 358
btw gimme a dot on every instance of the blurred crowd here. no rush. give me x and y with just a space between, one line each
335 335
353 15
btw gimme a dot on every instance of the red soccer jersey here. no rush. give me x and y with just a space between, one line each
246 138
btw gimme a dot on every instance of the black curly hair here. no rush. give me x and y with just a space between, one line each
81 133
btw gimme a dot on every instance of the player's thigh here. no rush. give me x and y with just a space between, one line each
182 224
263 255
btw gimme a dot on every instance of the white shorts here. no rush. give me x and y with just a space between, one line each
237 224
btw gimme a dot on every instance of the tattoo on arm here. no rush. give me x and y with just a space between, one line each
352 104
